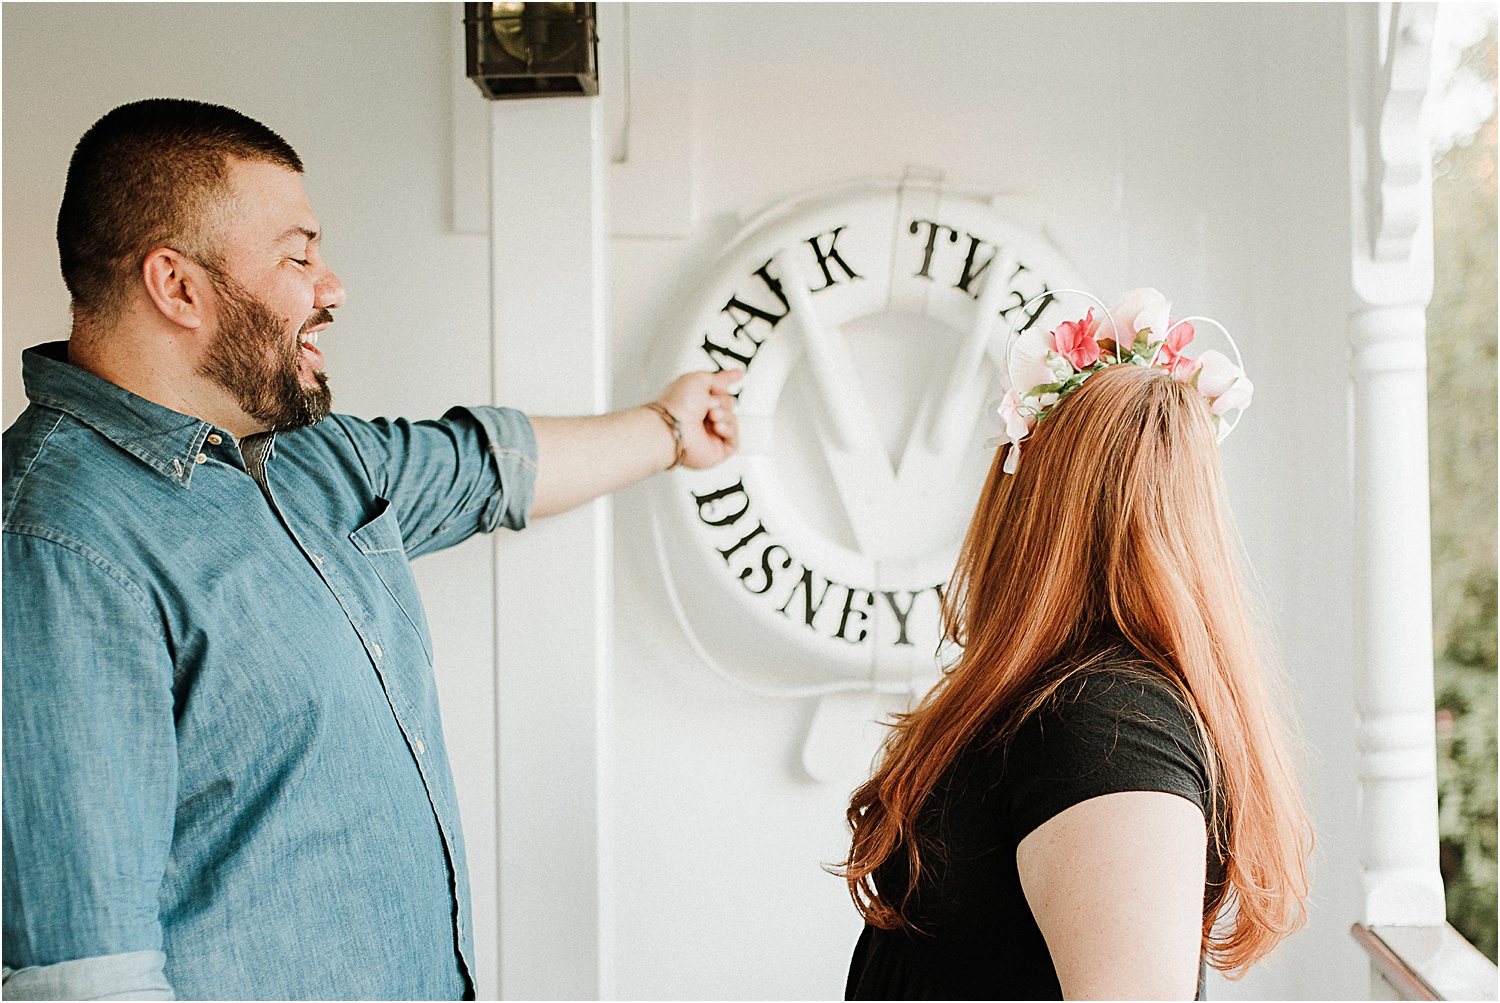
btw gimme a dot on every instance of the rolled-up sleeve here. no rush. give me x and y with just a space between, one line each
90 767
137 975
469 472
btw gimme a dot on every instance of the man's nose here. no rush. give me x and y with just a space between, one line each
330 291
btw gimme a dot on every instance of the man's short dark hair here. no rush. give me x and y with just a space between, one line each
148 175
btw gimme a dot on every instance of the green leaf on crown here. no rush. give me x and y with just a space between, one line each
1043 388
1061 367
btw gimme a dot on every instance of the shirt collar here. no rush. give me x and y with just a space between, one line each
167 441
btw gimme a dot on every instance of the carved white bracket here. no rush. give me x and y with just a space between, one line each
1397 141
1390 285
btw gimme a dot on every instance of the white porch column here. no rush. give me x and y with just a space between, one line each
554 639
1390 160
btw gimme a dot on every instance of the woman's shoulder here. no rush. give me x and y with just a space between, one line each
1118 684
1115 724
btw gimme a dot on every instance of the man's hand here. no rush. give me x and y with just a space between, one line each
579 459
701 402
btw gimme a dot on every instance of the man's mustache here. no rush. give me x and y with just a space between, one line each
320 316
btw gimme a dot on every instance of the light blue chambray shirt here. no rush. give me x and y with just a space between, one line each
223 762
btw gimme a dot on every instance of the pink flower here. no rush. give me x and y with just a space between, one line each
1075 341
1183 368
1179 336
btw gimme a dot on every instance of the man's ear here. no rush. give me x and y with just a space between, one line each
177 286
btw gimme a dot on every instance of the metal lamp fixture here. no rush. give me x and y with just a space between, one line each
525 50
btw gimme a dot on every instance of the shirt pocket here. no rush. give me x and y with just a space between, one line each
379 539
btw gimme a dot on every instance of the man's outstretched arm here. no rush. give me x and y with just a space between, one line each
579 459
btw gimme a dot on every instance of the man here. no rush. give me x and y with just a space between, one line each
224 771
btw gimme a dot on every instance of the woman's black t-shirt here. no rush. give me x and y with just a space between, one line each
1117 726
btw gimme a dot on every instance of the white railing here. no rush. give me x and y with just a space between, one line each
1425 963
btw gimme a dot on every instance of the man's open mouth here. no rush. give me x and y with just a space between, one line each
308 350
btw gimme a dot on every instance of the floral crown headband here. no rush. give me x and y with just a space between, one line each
1054 364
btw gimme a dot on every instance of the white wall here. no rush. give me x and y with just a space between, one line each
1201 149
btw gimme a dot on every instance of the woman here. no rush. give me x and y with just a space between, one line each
1094 800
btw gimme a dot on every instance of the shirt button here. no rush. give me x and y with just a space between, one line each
200 458
381 654
214 438
420 747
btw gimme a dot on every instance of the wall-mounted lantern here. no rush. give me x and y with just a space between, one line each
527 50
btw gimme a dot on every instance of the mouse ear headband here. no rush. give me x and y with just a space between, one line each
1042 367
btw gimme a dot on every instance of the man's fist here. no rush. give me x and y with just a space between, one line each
701 402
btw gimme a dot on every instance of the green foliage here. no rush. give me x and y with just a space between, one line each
1462 423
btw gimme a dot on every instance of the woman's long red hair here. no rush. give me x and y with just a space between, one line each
1115 516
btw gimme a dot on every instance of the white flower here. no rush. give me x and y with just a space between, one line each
1015 416
1012 458
1237 396
1223 383
1217 375
1029 360
1138 310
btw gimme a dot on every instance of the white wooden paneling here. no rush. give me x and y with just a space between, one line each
553 600
646 59
469 119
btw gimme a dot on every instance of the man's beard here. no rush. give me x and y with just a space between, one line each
251 357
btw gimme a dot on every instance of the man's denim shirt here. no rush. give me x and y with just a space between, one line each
223 763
